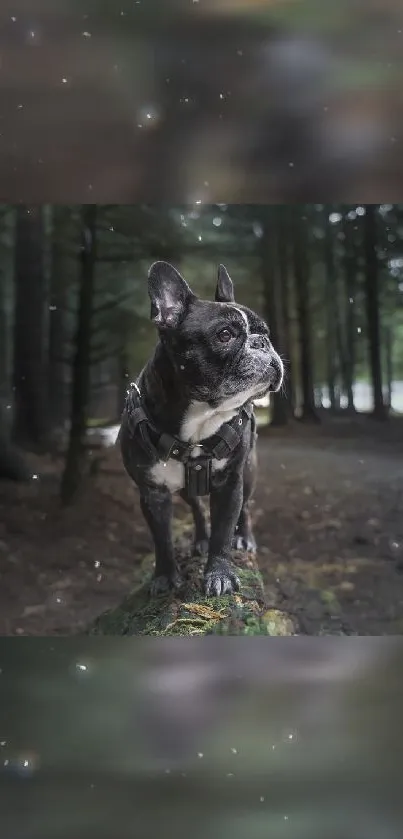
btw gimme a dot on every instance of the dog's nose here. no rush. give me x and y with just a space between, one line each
258 342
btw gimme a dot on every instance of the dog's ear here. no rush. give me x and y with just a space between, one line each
224 292
169 293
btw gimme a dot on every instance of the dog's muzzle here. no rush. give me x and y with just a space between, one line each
276 373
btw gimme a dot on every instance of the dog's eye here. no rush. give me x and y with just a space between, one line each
224 336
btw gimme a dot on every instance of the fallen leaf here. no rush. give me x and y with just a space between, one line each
204 611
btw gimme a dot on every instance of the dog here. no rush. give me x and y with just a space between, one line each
188 424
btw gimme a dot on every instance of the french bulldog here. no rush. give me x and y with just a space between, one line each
188 425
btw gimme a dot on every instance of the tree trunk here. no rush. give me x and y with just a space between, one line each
299 237
4 377
284 293
331 310
57 322
389 364
350 291
372 305
123 380
273 302
75 458
30 369
12 463
7 216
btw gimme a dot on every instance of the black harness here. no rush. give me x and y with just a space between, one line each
161 446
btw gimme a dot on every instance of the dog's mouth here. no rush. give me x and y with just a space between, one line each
273 385
260 394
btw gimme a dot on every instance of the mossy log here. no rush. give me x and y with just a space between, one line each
189 612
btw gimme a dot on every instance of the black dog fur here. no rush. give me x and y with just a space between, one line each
211 360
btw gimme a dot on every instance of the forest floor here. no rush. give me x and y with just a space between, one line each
328 516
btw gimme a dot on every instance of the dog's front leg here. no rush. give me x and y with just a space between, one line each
156 506
225 507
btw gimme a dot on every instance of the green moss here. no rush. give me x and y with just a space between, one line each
188 611
330 600
278 623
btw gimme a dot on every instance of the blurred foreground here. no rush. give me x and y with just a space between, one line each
301 739
231 100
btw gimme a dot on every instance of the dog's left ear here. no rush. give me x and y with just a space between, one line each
224 292
169 293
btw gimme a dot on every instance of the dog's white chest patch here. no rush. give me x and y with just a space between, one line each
170 474
200 422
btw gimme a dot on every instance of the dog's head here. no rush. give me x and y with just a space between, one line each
221 351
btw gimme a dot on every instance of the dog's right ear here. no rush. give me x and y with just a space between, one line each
225 290
169 293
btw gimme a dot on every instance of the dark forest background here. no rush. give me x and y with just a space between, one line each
74 308
75 330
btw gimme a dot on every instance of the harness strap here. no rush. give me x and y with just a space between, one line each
138 422
161 445
169 446
226 439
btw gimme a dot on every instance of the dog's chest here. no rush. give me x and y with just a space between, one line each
200 423
172 473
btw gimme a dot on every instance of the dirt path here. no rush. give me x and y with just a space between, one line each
329 523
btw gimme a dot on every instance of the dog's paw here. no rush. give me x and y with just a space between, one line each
163 584
244 543
221 579
200 548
